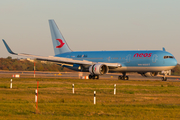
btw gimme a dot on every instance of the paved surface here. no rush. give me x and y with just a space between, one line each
113 76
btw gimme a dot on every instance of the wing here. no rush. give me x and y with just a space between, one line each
61 60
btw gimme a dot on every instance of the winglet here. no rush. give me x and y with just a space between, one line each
8 48
164 49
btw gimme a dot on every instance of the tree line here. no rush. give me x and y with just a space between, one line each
176 70
25 65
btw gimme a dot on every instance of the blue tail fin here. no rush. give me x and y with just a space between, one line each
59 43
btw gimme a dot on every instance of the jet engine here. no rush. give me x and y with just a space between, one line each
98 69
149 74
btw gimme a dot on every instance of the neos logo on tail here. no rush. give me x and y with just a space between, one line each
61 43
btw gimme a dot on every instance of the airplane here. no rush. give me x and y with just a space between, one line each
145 62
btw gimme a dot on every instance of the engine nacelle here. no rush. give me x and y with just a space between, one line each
98 69
149 74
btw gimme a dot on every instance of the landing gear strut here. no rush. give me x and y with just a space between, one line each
93 76
124 77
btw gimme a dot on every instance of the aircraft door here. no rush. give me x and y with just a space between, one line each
154 58
128 58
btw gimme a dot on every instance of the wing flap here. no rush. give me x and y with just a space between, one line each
57 59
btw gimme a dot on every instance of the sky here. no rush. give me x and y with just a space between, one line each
90 25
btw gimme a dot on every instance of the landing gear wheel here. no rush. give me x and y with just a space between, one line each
119 77
90 76
164 78
123 77
126 78
93 76
97 76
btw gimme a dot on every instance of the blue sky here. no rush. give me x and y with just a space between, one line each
91 25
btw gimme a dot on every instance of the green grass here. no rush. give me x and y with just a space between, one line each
134 99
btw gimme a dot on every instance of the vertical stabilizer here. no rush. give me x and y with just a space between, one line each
59 43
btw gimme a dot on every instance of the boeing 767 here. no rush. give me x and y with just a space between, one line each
145 62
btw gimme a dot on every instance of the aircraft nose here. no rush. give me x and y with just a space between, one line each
174 62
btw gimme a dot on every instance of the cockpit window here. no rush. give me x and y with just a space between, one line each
165 57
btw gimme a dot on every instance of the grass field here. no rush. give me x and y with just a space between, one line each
134 99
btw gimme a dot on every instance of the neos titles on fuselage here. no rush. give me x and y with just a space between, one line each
131 61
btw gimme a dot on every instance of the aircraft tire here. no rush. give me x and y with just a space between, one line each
119 77
90 77
123 78
164 79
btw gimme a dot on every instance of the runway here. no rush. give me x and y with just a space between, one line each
76 75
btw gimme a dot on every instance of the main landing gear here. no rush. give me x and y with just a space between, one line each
93 76
124 77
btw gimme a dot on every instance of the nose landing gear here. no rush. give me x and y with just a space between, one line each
164 78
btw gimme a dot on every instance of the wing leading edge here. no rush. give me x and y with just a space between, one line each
60 59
